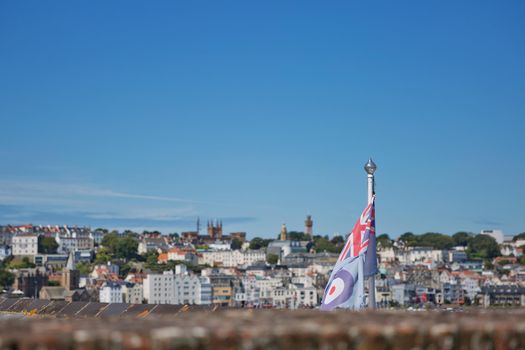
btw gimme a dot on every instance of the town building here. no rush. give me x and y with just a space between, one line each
158 288
503 295
132 293
231 258
111 292
25 244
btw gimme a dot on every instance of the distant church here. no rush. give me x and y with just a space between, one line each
214 234
215 230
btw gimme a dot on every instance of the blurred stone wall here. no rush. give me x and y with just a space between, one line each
207 328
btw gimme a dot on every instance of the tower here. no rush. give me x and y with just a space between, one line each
308 226
70 275
284 233
215 229
218 230
210 228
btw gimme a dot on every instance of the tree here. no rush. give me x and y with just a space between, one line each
519 236
522 260
272 259
408 238
124 270
461 238
47 245
429 239
21 264
236 244
120 247
6 278
258 243
298 236
337 240
435 240
384 240
483 246
103 256
322 244
84 268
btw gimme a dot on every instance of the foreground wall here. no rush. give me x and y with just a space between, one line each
269 329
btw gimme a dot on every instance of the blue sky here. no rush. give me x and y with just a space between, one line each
147 115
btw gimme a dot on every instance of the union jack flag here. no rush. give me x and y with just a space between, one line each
358 240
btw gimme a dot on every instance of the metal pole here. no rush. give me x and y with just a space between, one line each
370 168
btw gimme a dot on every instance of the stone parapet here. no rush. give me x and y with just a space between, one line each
271 329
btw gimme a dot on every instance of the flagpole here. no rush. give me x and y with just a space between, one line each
370 168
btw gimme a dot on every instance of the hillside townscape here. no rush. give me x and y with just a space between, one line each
189 268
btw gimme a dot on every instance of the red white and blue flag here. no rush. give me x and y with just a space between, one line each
345 288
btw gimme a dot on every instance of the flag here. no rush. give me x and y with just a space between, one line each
345 288
370 268
361 238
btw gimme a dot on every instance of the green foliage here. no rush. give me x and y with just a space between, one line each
522 260
408 238
384 241
20 264
258 243
272 259
53 283
483 246
6 278
436 240
298 236
150 257
236 244
124 270
322 244
429 239
504 262
151 233
47 245
462 238
120 246
130 233
170 265
103 256
519 236
84 268
337 240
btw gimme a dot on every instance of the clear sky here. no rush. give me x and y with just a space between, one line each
141 114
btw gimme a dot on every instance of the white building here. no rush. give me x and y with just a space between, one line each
72 243
420 254
159 289
386 254
496 234
251 290
231 258
181 254
186 289
132 293
25 245
110 292
206 297
305 296
471 287
220 246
